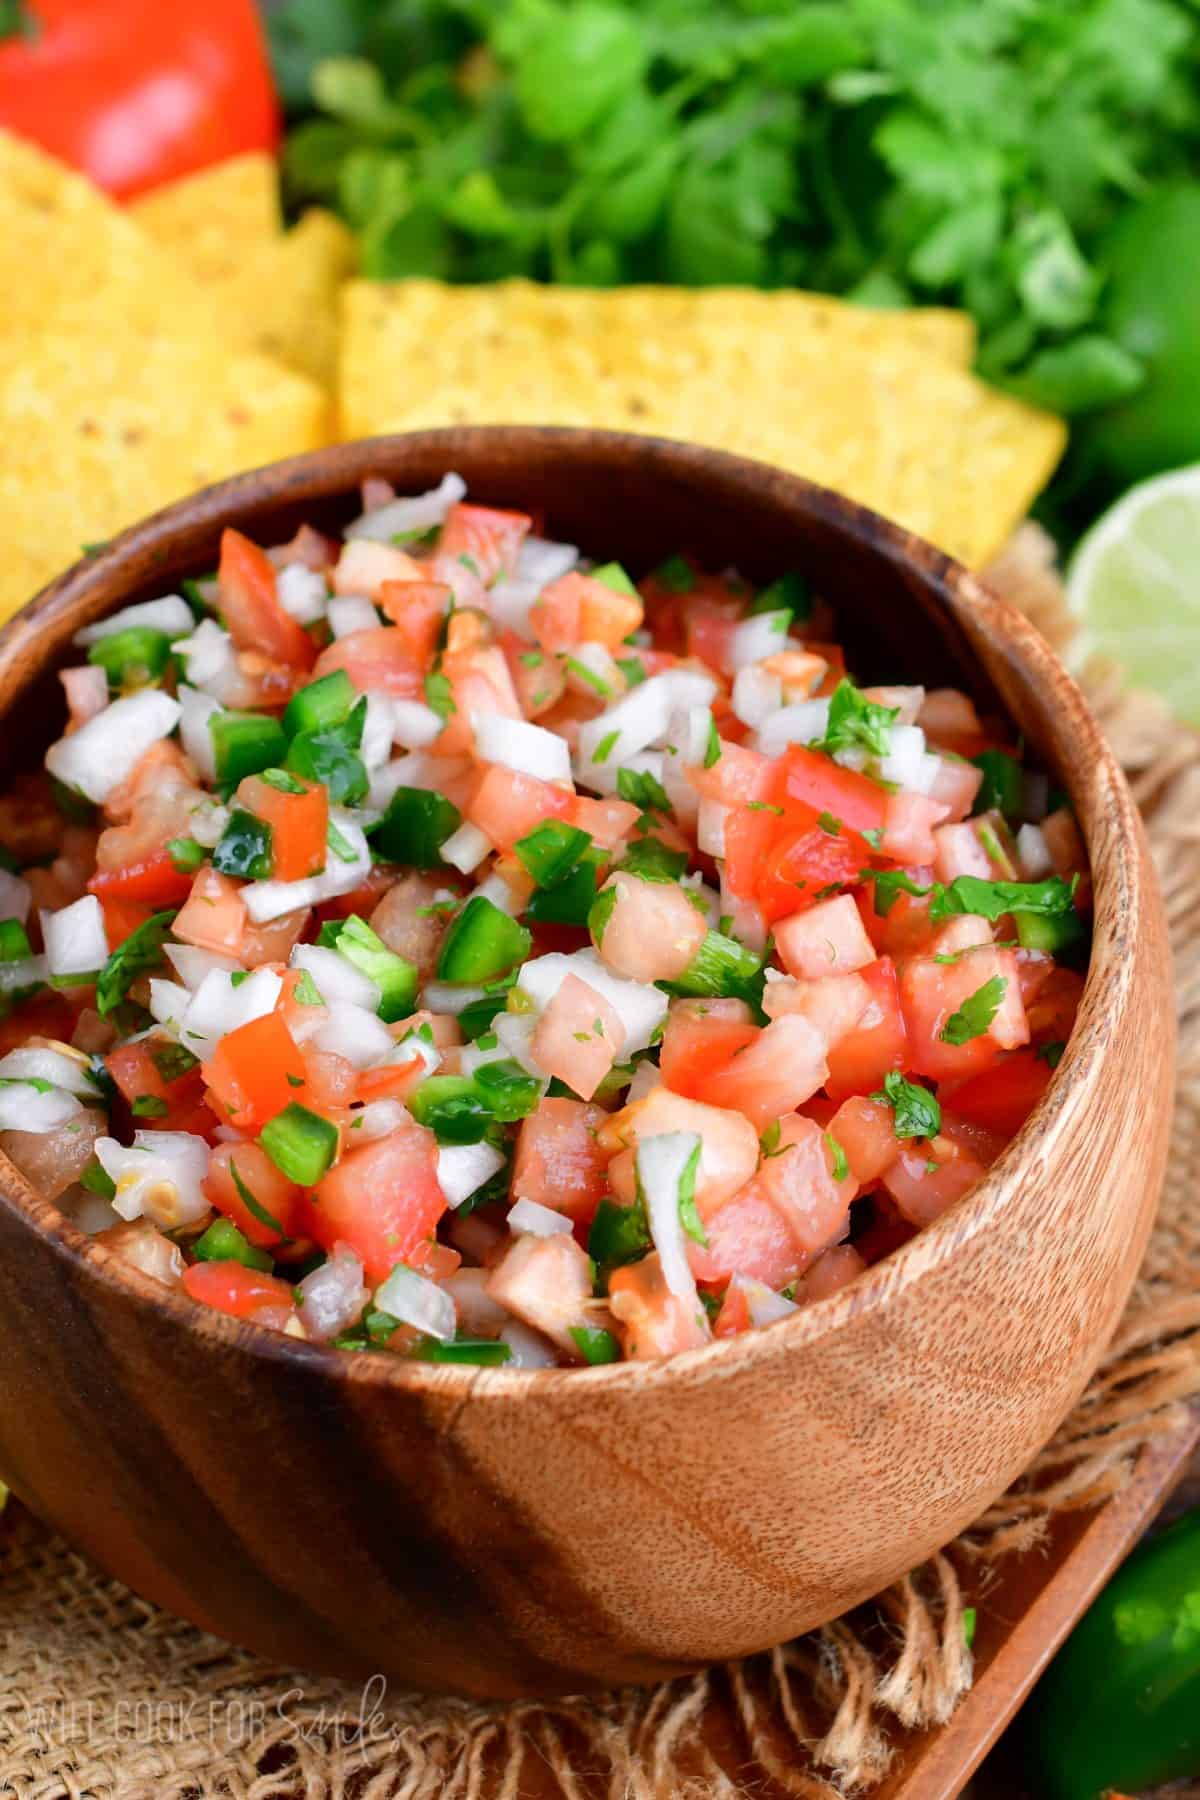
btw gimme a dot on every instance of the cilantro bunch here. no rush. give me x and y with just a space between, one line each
969 152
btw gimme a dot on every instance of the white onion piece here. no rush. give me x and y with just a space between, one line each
515 1032
1036 860
302 592
699 892
760 636
763 1303
515 744
639 720
88 1212
466 848
333 1296
103 753
16 897
40 1064
351 612
414 724
413 1044
168 1003
219 1006
418 512
416 770
661 1164
196 709
510 602
543 561
462 1169
530 1350
798 724
379 1118
378 727
417 1302
710 827
336 977
207 823
30 972
208 654
352 1032
25 1108
75 939
158 1177
441 997
756 695
906 762
497 890
531 1217
192 965
747 923
266 900
171 614
641 1008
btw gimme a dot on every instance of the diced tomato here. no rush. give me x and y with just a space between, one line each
299 824
866 1131
652 932
738 775
45 1015
749 833
243 1293
651 1319
250 605
576 609
814 780
391 1081
155 881
214 917
558 1161
931 992
834 1004
607 822
746 1236
734 1316
578 1037
729 1143
246 1166
273 942
383 1200
122 918
908 833
947 716
538 680
147 1074
801 860
904 929
331 1083
508 805
376 658
254 1071
709 629
489 537
833 1269
825 939
772 1075
926 1178
1003 1097
417 610
364 899
365 566
547 1282
700 1037
859 1062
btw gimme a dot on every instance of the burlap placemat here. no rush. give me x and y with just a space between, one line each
103 1697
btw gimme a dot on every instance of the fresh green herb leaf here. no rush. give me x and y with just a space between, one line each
917 1113
992 899
439 695
255 1207
140 954
829 825
841 1166
976 1013
712 748
652 860
595 1345
186 854
643 789
856 723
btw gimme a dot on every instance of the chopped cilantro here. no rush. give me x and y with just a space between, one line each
976 1012
917 1113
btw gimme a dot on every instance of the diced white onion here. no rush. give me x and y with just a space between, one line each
158 1177
352 1032
414 725
661 1162
220 1005
798 724
515 1032
103 753
75 939
417 1302
1036 860
478 1313
444 997
536 1220
497 890
266 900
530 1350
168 1002
25 1108
641 1007
760 636
351 612
515 744
413 1044
41 1064
598 660
462 1169
756 695
31 971
196 709
208 655
418 512
763 1303
337 978
699 891
710 827
542 561
302 592
192 965
466 848
16 897
207 823
332 1297
747 923
378 726
638 720
379 1118
906 762
171 614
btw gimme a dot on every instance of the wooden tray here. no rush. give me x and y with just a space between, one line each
1022 1620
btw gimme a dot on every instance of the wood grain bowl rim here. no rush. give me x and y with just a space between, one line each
1121 895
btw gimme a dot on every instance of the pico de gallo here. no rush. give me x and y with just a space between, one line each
429 939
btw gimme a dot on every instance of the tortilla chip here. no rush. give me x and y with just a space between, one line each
118 392
210 222
857 408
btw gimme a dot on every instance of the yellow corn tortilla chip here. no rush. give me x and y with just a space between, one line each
118 392
873 416
210 222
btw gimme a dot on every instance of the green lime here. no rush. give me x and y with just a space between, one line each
1134 586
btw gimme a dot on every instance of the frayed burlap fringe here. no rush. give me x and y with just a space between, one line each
102 1697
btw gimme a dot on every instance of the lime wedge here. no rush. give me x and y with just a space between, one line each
1134 586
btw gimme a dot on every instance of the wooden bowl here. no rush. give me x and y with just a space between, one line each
507 1533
